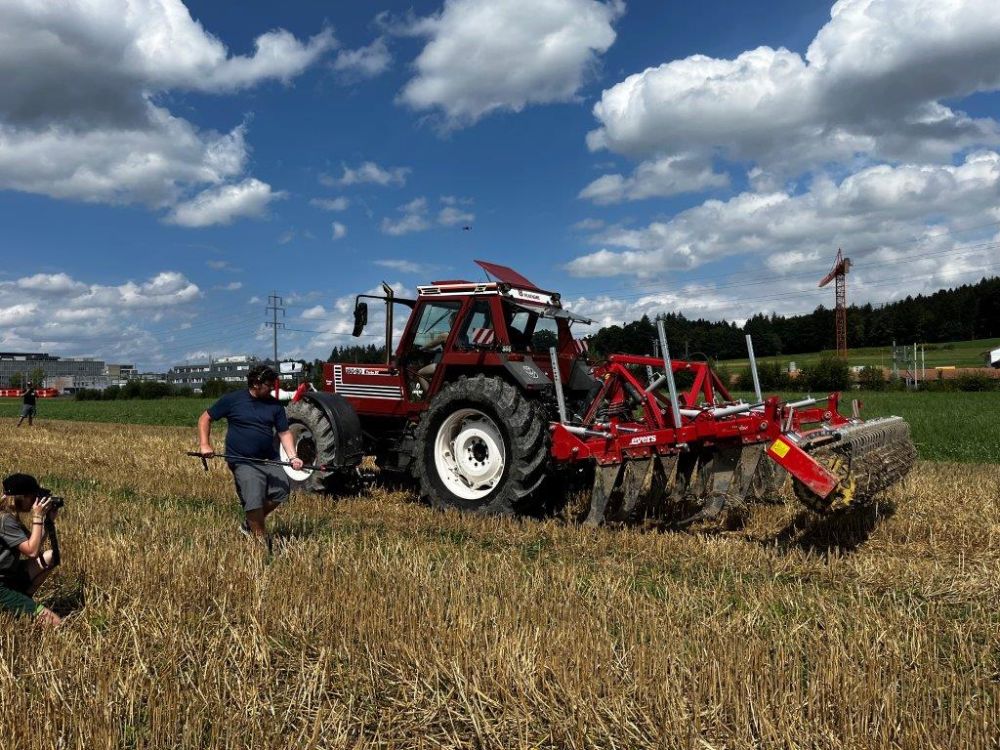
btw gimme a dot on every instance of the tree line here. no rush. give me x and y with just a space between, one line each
971 311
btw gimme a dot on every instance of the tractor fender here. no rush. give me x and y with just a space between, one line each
527 375
344 420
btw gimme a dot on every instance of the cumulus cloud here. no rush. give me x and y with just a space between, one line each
338 230
402 266
223 265
56 311
232 286
662 177
413 219
153 164
874 82
336 323
878 207
364 62
449 216
330 204
80 88
416 216
483 56
369 173
315 312
929 263
693 300
50 282
222 205
588 225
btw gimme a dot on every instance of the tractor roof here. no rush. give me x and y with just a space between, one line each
506 275
505 281
509 284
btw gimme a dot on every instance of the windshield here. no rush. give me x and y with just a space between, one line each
436 321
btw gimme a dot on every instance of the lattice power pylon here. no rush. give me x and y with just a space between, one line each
839 272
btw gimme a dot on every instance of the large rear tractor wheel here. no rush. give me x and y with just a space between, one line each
318 441
482 447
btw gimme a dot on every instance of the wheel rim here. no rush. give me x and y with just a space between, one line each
305 448
469 454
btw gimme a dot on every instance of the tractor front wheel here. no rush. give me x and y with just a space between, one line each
481 447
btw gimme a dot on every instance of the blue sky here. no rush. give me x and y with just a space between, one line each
166 166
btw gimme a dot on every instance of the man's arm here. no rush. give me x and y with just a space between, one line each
288 443
205 434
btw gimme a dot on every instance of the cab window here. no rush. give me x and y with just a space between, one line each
435 323
519 323
545 334
477 323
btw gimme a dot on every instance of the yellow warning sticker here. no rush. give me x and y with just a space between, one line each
779 448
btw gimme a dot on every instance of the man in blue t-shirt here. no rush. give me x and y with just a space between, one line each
253 417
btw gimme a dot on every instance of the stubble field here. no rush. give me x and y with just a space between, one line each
380 623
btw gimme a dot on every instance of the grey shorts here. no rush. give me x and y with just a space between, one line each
27 410
259 483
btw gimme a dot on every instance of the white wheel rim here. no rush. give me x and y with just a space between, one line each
469 454
298 433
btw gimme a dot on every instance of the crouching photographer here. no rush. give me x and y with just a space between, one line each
20 577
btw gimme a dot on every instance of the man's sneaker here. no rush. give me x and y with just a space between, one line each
266 541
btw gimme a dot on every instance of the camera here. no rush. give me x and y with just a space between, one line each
56 502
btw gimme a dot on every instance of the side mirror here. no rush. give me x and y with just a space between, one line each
360 318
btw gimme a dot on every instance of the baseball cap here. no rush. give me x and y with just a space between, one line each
23 484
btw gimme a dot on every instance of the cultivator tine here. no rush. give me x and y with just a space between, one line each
714 477
727 480
867 458
686 479
629 492
636 485
766 482
754 471
663 484
606 480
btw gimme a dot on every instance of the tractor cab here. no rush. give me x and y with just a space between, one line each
455 328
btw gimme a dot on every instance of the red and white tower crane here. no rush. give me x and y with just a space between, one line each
841 266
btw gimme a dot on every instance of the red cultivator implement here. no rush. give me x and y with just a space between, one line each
487 394
657 451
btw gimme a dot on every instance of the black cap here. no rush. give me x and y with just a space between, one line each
23 484
261 374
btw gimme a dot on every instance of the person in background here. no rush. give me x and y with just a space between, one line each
253 418
28 405
20 577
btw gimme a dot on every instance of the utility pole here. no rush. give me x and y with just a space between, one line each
275 304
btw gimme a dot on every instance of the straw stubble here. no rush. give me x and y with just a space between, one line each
381 623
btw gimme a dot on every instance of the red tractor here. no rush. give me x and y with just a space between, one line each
488 394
